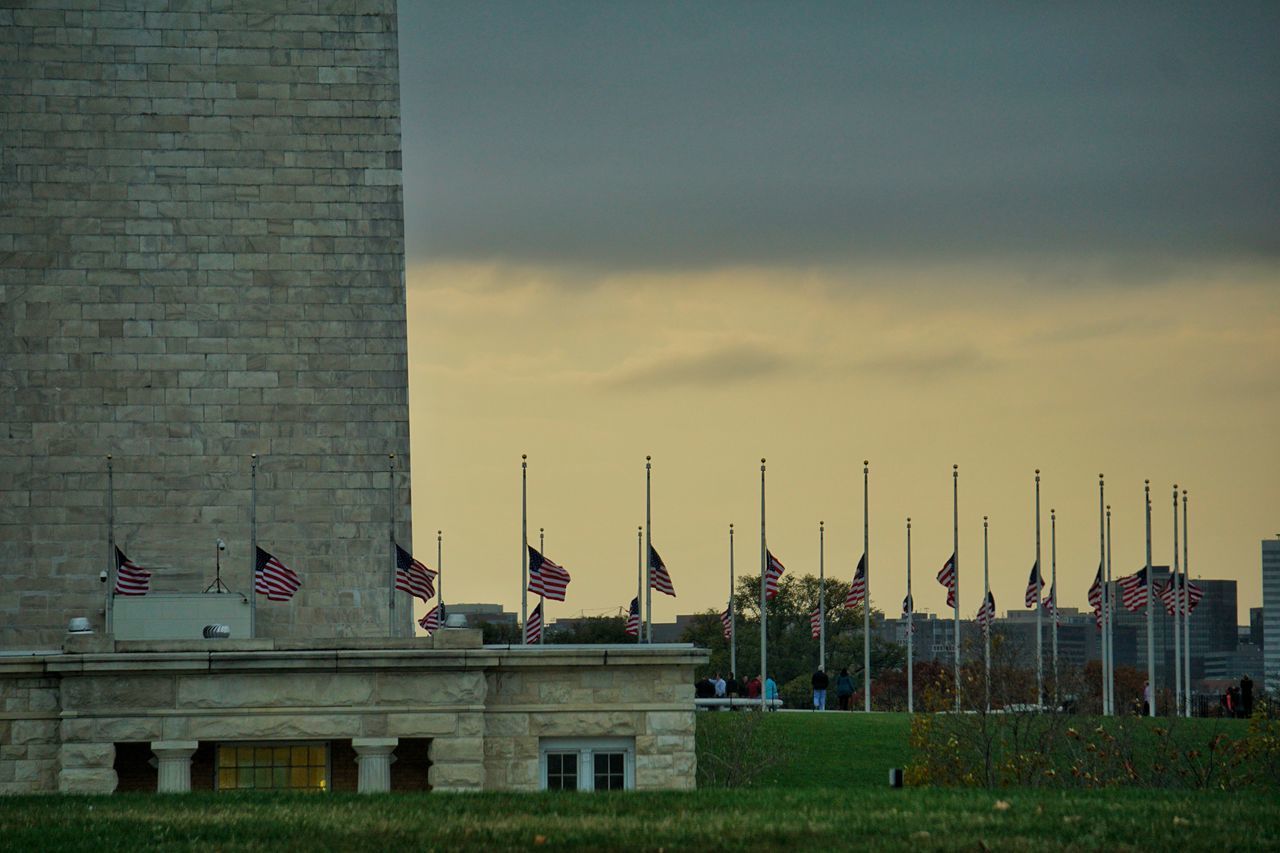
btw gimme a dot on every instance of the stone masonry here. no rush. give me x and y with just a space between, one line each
483 709
201 257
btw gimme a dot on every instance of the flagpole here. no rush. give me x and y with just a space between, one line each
253 545
866 600
733 616
440 575
542 599
822 600
1177 623
391 523
1111 624
911 624
764 616
986 628
524 549
109 592
955 558
1039 607
1102 580
1186 585
648 541
639 579
1053 595
1151 619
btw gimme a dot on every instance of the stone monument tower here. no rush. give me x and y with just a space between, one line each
201 258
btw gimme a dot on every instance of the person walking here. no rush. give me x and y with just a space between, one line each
721 687
1246 695
820 682
1146 698
844 689
770 691
753 688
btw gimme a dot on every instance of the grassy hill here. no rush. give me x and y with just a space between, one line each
827 789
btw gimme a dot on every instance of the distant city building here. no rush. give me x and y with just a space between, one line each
483 614
1255 626
1231 666
1271 612
1213 628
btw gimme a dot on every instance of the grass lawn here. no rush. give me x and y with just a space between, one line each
828 789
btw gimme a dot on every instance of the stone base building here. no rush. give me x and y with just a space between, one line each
441 713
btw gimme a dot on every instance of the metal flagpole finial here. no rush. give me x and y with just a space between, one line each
1052 511
821 524
908 522
984 521
524 460
1037 475
865 463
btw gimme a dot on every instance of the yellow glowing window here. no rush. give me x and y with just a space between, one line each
296 767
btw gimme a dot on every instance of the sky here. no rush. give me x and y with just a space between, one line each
1004 237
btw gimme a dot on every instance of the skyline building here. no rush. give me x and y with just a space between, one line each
1271 612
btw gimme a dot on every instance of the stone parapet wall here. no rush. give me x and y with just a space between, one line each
483 710
202 258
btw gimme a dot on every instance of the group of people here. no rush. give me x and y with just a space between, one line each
1238 701
718 687
844 689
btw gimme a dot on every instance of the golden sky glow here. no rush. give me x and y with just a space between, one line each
913 367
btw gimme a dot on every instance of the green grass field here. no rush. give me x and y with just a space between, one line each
827 789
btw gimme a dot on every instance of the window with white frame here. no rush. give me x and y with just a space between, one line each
587 764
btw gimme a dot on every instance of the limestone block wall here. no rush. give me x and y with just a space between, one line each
533 698
29 737
201 257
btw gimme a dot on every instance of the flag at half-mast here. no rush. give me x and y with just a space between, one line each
533 626
815 622
1192 597
726 621
659 578
908 607
1035 585
131 579
546 578
1095 597
413 577
633 618
273 578
858 589
1133 590
947 577
773 571
987 612
430 622
1050 603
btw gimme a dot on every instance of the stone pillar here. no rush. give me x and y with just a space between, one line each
373 755
174 772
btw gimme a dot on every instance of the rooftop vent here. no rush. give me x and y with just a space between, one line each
217 632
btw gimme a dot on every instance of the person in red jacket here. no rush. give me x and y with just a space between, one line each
753 688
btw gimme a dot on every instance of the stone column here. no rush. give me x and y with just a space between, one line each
373 755
174 776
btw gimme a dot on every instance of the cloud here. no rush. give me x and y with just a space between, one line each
727 365
925 365
688 136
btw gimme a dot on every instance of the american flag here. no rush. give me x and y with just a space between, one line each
1035 585
1133 590
533 626
1095 597
1166 593
659 578
815 622
431 621
726 620
771 575
1050 602
947 577
1193 596
130 579
908 606
413 577
273 578
633 618
987 612
858 589
545 577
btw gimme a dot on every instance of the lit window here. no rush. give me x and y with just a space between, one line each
587 764
273 766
